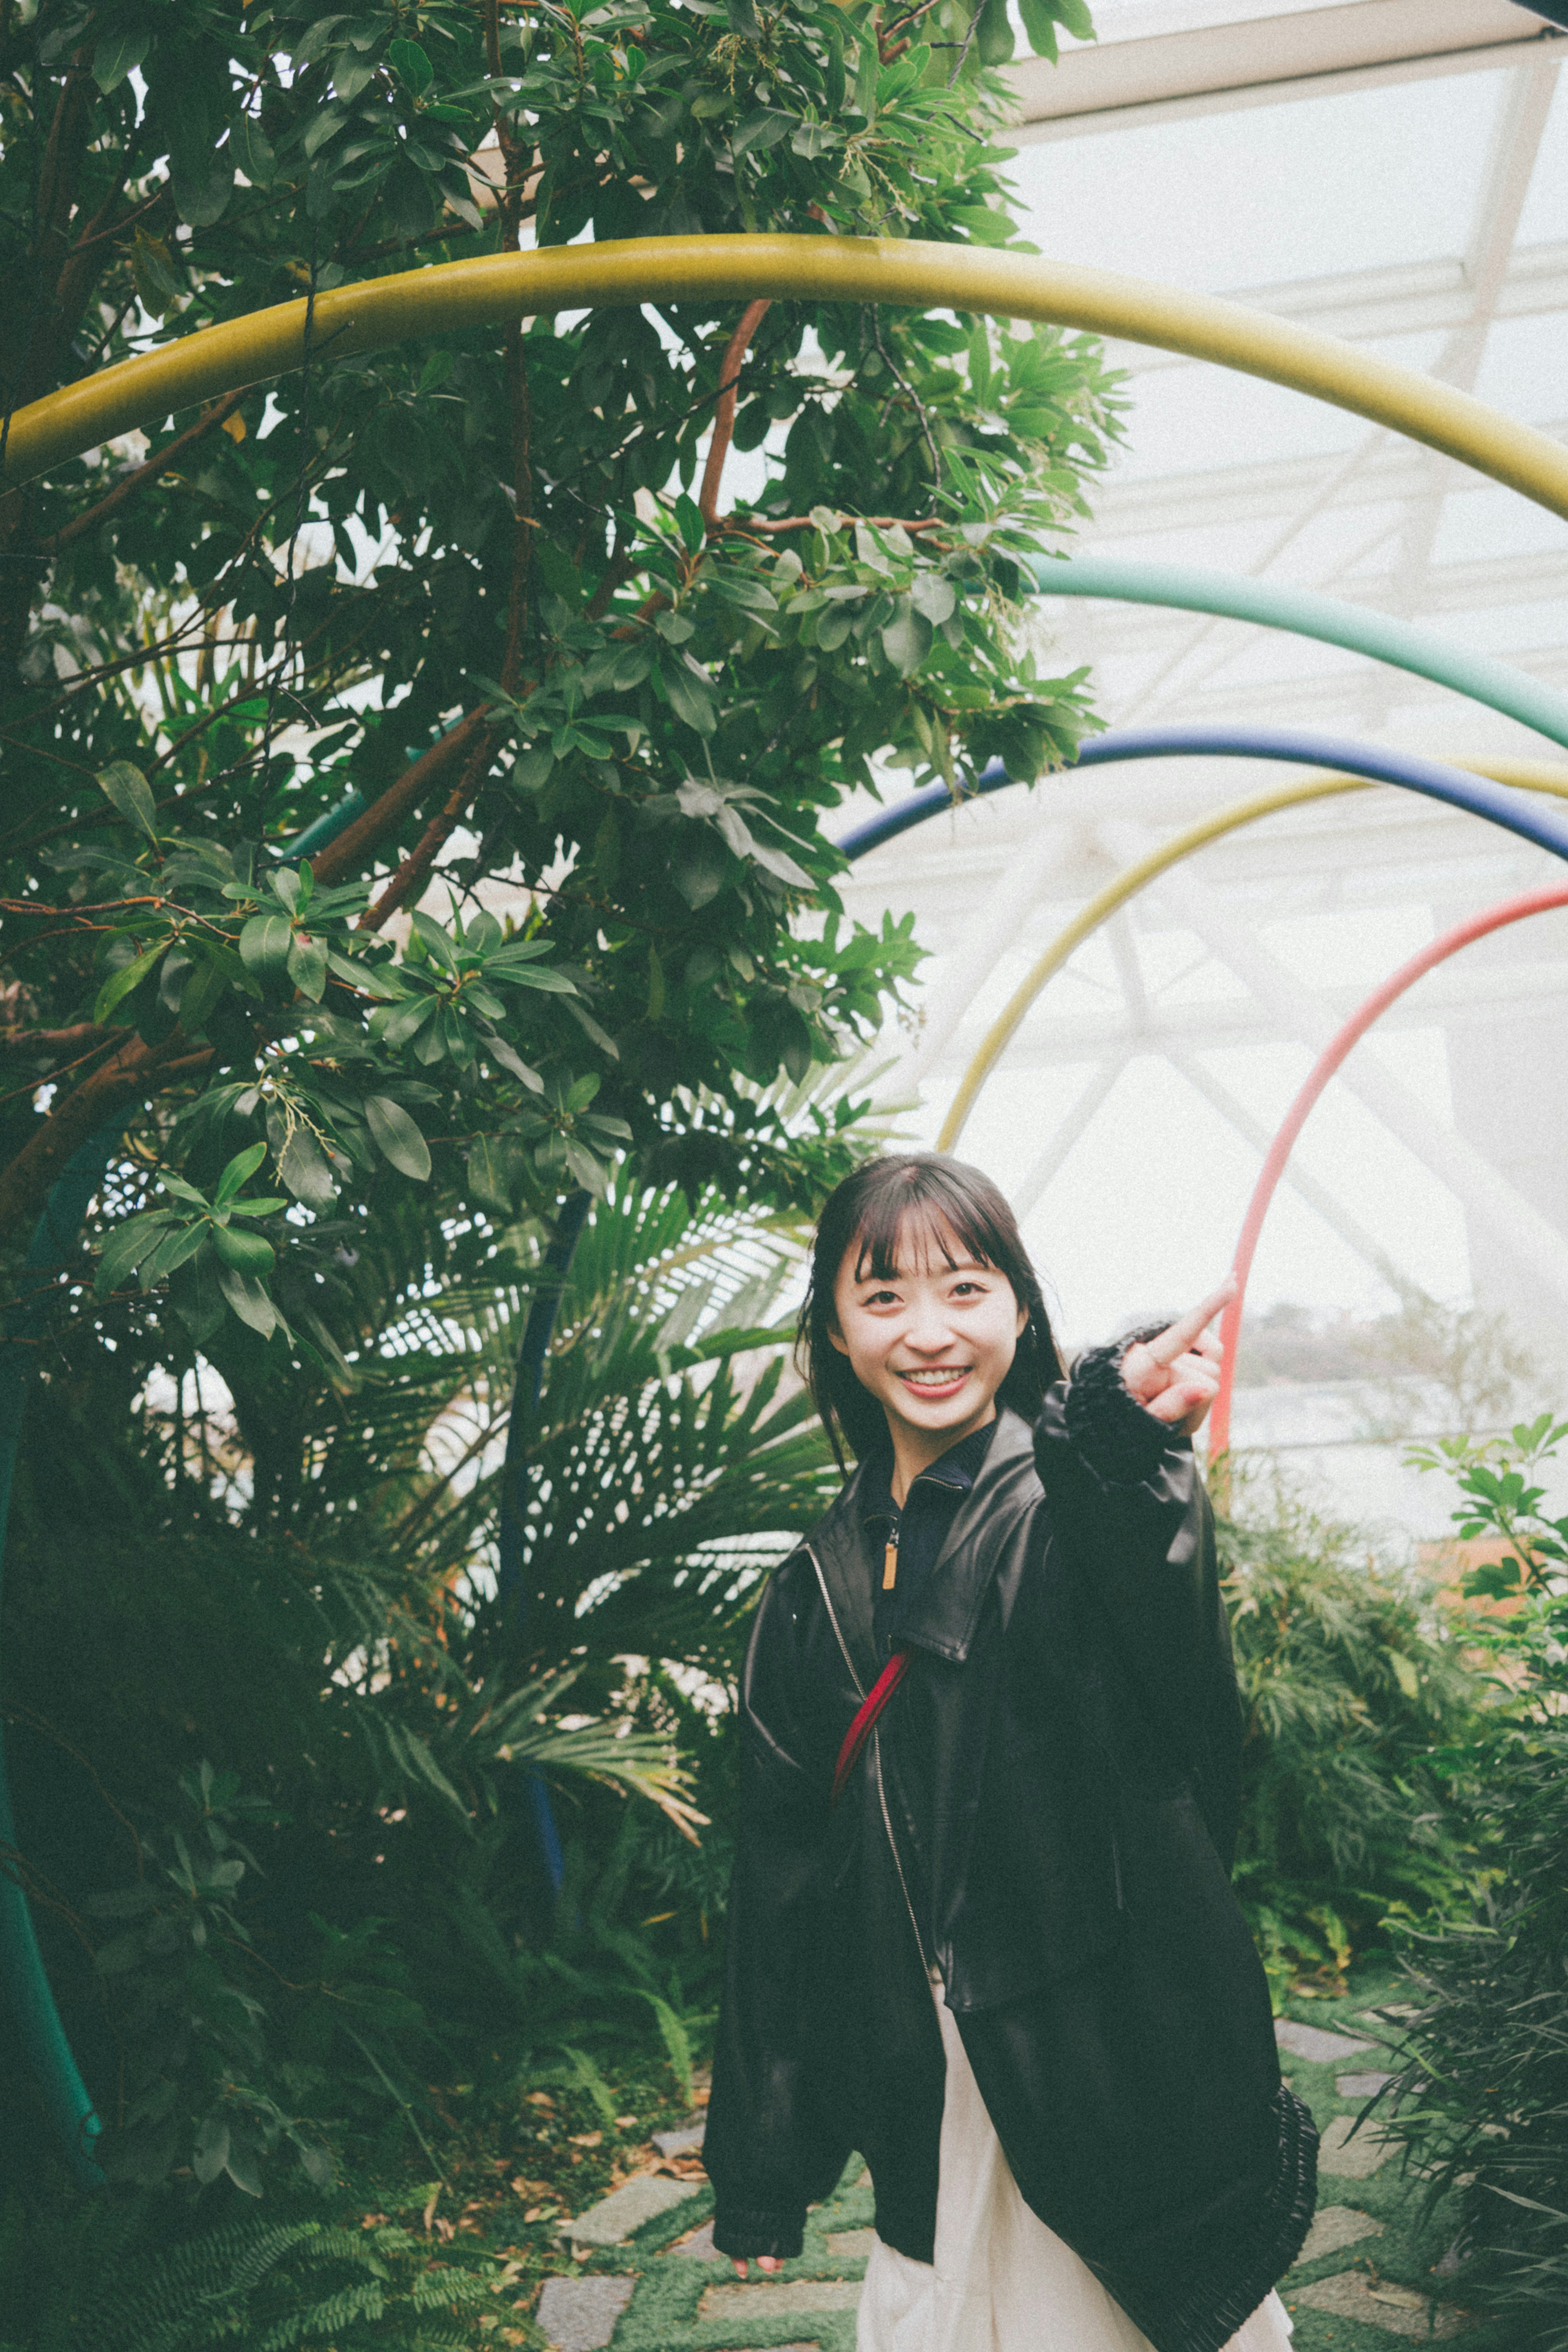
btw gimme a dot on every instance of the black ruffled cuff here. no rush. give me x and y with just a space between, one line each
1106 1425
743 2232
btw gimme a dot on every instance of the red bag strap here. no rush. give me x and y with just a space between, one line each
865 1724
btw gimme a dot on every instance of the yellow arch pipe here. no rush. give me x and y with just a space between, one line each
907 273
1529 775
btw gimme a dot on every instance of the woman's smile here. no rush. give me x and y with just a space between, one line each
940 1379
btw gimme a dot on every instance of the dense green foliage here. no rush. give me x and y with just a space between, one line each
1352 1689
467 582
1484 2096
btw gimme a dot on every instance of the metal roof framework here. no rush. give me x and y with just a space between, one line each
1191 1018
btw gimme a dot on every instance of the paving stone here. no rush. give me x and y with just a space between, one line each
699 2247
579 2315
686 2142
855 2245
1352 2159
1335 2226
615 2216
779 2301
1360 2086
1313 2044
1397 2310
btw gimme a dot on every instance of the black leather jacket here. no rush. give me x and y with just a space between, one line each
1046 1815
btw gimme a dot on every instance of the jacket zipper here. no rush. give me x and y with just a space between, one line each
897 1858
876 1755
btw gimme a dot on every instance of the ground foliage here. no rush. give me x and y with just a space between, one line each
1355 1696
467 582
1482 2092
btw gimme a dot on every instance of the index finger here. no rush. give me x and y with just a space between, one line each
1178 1337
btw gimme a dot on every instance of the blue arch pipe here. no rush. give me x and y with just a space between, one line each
1516 812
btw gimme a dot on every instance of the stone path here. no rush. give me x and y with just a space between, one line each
1370 2274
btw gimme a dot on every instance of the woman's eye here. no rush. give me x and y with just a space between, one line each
882 1298
972 1289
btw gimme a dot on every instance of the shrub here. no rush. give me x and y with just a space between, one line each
1353 1689
1483 2085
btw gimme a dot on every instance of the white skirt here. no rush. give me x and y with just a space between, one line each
1002 2282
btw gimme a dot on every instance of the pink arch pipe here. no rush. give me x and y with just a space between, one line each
1513 910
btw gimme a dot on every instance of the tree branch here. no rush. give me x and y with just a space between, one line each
51 1040
129 1078
125 490
360 841
752 318
410 877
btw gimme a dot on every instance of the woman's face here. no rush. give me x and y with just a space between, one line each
934 1341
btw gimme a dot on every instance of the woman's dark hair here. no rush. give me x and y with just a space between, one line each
869 1209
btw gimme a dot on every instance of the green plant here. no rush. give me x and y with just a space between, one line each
1482 2090
303 1583
1353 1687
472 591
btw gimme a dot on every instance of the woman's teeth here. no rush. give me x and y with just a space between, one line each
940 1380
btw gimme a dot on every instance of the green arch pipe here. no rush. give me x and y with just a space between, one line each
1306 613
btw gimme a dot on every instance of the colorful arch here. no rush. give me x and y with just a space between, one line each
1438 951
904 273
1485 788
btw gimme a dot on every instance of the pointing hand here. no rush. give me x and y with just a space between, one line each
1176 1376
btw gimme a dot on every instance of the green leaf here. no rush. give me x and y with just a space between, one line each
128 790
590 1174
531 770
397 1136
246 1252
689 698
117 55
120 983
126 1247
436 940
252 152
906 640
690 523
264 946
411 63
493 1173
554 983
172 1251
246 1297
238 1172
304 1168
307 966
761 131
196 1296
1040 22
395 1025
933 596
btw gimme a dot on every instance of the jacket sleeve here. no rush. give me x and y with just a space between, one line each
1126 1495
770 2149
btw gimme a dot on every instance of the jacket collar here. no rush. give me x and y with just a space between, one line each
944 1617
957 1470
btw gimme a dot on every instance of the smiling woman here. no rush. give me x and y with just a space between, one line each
990 1752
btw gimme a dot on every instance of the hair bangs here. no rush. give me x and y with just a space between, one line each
927 1208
